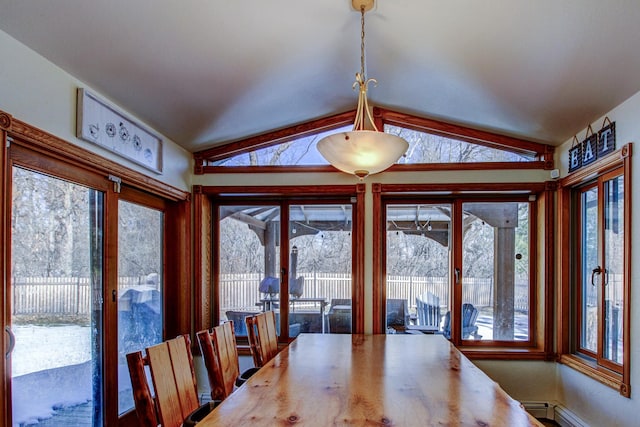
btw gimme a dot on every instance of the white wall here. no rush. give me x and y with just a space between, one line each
593 402
39 93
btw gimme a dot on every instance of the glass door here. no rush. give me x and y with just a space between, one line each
495 271
140 261
56 293
320 272
418 260
249 262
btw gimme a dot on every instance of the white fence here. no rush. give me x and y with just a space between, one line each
58 295
72 295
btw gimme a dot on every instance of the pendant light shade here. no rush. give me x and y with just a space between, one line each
365 150
362 152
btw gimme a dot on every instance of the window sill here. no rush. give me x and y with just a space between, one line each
503 353
602 375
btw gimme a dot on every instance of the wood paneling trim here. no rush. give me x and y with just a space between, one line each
202 235
601 375
279 190
625 387
463 188
413 167
5 242
45 143
548 199
475 136
506 353
379 269
358 260
178 298
276 137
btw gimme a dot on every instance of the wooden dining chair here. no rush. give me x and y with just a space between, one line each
220 355
175 402
263 338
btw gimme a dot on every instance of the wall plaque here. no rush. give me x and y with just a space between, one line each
102 124
593 147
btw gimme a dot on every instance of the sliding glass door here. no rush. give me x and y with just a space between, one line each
459 267
56 301
140 276
252 248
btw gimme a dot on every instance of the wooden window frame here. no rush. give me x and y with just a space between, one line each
540 344
205 232
37 150
568 335
382 116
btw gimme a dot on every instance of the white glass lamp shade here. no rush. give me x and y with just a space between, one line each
362 152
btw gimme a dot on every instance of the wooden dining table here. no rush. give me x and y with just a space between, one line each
370 380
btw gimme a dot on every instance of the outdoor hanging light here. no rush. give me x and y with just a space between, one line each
365 150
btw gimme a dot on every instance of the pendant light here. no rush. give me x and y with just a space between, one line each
365 150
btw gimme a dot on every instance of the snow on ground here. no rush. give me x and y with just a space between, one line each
44 347
51 368
37 395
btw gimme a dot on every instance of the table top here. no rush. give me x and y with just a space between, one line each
395 380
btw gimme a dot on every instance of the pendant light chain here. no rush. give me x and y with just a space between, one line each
362 42
362 82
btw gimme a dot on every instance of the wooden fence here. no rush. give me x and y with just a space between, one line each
72 295
240 291
58 295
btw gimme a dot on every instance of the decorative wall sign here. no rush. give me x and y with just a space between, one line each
594 146
103 125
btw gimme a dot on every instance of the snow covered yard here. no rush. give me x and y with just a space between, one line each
51 370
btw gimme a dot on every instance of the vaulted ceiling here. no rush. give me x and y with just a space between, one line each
205 73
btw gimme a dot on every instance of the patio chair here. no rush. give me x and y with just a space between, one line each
220 355
397 314
428 311
469 317
174 382
239 325
340 316
263 338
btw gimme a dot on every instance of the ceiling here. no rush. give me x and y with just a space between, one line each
205 73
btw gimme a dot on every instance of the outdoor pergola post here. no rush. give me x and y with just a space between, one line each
504 283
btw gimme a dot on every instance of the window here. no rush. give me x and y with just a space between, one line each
255 236
596 288
432 148
475 277
432 145
300 151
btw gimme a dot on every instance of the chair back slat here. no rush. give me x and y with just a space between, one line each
184 373
263 337
164 385
171 366
143 400
220 354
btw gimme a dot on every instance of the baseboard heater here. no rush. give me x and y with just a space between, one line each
555 412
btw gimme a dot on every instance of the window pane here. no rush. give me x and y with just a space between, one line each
614 263
431 148
140 275
56 295
301 151
418 257
589 262
320 245
249 258
495 271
